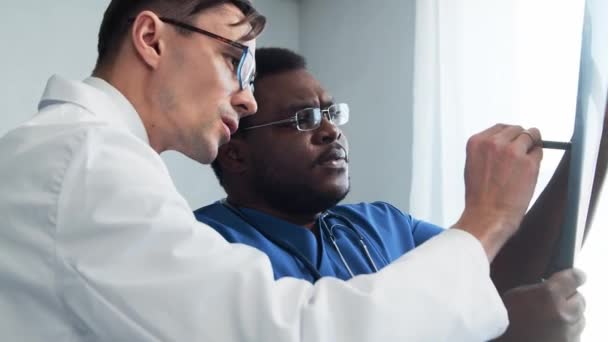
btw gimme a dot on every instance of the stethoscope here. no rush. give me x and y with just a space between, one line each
329 231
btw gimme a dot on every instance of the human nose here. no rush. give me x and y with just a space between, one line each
244 102
327 132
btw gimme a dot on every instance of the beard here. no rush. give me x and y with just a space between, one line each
296 198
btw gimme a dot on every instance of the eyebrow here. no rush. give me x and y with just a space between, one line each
328 102
291 109
299 106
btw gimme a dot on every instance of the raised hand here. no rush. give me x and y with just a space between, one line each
500 175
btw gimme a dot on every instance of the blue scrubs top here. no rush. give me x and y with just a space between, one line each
387 232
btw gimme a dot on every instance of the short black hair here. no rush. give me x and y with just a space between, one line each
115 23
274 60
269 61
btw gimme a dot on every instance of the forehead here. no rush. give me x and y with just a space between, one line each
223 20
290 90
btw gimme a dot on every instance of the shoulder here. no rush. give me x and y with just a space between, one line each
387 220
227 223
66 131
372 211
112 172
47 153
212 214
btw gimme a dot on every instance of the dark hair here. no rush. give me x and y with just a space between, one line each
269 61
274 60
115 23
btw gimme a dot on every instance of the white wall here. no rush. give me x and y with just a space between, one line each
282 27
362 51
40 38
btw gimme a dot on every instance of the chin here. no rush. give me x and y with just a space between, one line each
337 185
204 153
336 191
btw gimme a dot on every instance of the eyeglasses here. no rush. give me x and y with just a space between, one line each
310 118
245 70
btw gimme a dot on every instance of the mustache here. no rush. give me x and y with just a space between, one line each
334 151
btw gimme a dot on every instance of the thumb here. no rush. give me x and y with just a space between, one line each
566 282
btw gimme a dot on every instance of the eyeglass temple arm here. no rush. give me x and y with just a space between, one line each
271 124
205 32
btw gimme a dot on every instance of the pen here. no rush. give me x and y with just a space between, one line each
556 145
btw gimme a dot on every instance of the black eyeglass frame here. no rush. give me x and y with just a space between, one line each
243 84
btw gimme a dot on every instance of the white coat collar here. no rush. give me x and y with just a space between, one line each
98 97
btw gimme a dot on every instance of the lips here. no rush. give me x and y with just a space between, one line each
232 124
332 155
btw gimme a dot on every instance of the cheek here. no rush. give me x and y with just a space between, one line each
282 146
289 160
216 78
213 90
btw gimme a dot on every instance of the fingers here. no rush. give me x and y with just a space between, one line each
549 311
508 133
502 133
569 305
565 283
536 153
575 331
573 309
530 138
537 314
492 130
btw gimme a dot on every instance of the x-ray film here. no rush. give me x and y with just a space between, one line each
590 111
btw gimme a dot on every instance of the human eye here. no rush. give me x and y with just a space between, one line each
303 117
232 61
308 118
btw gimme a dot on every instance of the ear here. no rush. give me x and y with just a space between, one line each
146 37
233 157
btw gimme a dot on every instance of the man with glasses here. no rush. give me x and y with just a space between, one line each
97 244
286 170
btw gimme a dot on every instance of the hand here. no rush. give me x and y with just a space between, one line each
551 311
500 175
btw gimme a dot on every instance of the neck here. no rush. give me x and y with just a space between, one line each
135 91
306 220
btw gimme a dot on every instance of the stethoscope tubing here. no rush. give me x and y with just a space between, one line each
323 226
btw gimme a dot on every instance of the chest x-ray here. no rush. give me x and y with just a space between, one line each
590 111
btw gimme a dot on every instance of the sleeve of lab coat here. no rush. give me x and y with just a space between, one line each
133 264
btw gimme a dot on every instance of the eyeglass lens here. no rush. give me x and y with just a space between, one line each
310 118
247 70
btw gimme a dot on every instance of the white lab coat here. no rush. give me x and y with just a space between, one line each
96 244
